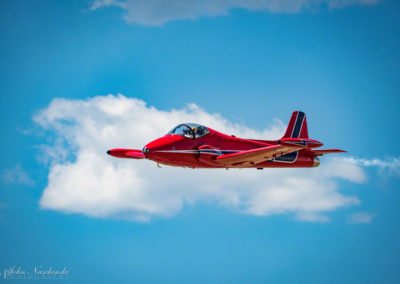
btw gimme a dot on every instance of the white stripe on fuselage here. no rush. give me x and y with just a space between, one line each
219 152
203 151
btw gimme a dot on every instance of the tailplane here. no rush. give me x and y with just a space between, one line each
297 127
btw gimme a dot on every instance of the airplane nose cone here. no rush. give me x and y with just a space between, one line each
108 152
153 146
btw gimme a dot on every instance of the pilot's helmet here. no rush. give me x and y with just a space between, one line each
194 129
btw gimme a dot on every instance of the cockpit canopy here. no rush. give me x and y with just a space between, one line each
190 130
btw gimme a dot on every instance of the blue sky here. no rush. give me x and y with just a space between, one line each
340 64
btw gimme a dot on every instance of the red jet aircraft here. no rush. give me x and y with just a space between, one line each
196 146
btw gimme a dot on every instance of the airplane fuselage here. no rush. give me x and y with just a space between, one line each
180 151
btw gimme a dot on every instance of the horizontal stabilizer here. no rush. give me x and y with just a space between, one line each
326 151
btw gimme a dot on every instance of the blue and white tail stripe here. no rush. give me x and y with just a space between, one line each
297 127
299 123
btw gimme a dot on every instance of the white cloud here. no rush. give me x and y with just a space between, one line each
333 4
17 175
360 218
83 179
389 166
158 12
311 217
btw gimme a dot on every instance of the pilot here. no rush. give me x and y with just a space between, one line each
195 131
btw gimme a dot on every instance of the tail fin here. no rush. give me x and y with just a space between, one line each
297 127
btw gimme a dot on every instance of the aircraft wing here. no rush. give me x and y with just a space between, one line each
255 156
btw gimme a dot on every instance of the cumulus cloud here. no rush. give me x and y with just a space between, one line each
83 179
360 218
17 175
389 166
158 12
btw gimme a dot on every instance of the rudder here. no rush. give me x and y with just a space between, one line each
297 127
